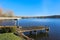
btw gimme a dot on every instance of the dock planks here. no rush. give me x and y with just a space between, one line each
27 29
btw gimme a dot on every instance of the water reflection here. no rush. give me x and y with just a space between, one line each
7 23
38 36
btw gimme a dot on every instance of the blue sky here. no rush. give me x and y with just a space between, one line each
32 7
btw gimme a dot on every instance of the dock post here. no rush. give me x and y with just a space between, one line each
47 29
30 32
36 34
15 21
18 23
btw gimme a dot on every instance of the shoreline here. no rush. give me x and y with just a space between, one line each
20 34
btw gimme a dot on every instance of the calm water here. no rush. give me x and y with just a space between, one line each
54 24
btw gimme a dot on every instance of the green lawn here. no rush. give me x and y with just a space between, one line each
9 36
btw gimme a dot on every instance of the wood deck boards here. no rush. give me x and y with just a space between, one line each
27 29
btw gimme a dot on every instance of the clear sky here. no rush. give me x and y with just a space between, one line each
32 7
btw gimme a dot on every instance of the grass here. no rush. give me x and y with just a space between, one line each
9 36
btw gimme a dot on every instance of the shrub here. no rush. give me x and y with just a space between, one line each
8 29
12 29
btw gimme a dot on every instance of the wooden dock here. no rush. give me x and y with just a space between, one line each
20 31
28 29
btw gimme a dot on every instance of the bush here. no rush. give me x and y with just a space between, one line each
8 29
13 29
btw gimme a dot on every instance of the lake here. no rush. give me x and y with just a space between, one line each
53 24
53 34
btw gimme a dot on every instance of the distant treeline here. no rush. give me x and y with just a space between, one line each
53 16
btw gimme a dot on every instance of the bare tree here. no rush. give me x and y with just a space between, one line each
10 14
0 12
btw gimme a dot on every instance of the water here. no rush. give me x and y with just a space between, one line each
53 34
54 24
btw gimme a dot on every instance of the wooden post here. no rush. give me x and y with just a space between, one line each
36 34
30 32
15 21
18 23
47 29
